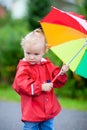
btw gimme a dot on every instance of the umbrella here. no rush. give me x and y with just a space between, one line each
66 34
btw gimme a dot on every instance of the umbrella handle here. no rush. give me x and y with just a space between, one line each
56 77
63 70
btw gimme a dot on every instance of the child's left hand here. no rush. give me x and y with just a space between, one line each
64 68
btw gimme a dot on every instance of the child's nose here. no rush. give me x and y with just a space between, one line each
31 56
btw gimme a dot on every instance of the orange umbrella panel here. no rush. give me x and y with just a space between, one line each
58 34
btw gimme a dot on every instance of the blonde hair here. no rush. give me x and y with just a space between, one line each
34 37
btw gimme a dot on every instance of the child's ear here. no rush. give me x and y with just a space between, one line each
47 48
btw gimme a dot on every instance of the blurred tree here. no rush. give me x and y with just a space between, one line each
37 9
10 51
82 7
9 54
85 7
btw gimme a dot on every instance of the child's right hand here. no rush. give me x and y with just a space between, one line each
47 86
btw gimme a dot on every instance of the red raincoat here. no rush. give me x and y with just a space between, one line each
36 104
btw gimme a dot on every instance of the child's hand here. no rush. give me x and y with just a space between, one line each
47 86
64 68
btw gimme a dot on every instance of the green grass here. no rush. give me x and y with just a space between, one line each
74 104
8 94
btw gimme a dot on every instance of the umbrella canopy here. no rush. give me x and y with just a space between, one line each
66 33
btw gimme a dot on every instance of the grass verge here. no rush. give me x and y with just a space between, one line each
73 104
8 94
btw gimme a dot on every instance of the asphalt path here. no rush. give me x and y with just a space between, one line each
10 118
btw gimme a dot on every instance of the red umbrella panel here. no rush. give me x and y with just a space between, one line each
66 33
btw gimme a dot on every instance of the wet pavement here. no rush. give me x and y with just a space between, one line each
10 118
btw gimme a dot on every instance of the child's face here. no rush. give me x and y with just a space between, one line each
34 52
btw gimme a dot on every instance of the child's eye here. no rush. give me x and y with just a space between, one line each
36 54
28 53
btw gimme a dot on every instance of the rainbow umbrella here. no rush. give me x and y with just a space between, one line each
66 33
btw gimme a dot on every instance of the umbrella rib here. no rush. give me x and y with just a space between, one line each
77 53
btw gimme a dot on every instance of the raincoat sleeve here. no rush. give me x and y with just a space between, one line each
23 84
61 80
